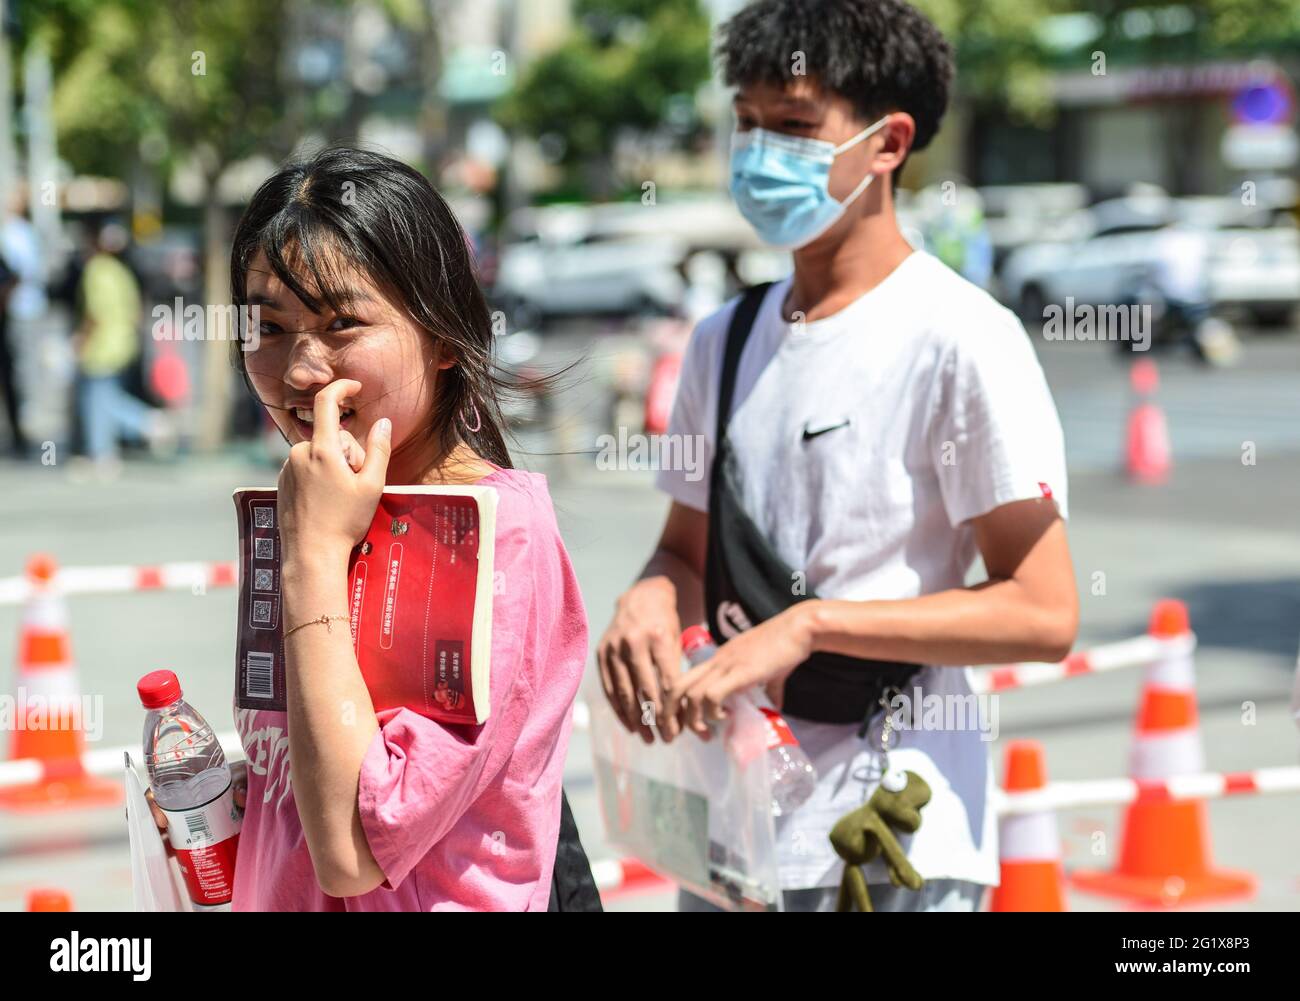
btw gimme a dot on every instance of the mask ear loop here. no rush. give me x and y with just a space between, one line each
862 185
869 130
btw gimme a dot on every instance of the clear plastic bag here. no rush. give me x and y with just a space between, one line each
155 879
698 813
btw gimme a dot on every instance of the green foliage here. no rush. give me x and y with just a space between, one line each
186 76
998 58
627 65
1001 59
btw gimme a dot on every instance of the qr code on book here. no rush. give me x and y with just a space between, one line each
262 611
264 549
263 580
264 517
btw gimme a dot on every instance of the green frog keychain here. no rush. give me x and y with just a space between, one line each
868 832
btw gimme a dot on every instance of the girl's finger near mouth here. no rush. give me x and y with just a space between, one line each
325 410
306 429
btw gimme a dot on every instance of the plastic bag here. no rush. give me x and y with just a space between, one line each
698 813
154 877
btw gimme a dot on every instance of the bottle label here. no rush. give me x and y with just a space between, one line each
206 839
779 733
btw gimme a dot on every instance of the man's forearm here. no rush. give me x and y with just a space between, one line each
992 623
680 582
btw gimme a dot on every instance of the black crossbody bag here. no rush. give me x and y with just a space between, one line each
741 569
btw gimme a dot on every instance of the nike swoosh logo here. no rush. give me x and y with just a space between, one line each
809 434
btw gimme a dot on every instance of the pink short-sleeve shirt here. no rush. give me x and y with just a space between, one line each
457 817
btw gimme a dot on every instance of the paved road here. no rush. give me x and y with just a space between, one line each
1221 535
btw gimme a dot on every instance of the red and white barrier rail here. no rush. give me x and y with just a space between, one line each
1053 796
622 877
103 762
1137 652
614 877
194 576
124 579
1120 792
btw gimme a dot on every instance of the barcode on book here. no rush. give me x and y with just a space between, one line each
259 674
197 822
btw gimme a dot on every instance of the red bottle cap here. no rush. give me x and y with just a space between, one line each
158 689
694 637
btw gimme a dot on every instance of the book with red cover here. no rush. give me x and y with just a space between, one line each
420 596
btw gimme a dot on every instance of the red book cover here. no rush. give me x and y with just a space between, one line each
420 596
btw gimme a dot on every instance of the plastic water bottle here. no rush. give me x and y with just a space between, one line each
193 786
793 775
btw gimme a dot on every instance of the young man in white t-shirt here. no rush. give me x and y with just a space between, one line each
889 421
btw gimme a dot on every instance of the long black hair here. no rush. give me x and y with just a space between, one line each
347 207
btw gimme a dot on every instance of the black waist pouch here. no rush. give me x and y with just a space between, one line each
745 580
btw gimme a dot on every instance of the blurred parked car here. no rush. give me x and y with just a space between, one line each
1018 214
1194 242
1257 270
540 278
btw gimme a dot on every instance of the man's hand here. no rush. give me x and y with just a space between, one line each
640 656
765 655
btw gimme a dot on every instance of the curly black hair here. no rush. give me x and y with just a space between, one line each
880 54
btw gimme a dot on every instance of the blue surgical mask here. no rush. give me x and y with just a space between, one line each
780 184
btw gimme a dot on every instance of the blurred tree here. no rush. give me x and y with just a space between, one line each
999 60
204 85
205 92
629 68
1002 58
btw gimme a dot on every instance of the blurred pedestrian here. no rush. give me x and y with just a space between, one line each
107 343
8 368
25 307
955 231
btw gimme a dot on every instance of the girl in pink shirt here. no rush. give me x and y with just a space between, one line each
372 353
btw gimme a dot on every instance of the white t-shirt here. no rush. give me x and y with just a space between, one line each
926 407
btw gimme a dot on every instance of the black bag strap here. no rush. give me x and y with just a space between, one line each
741 567
742 322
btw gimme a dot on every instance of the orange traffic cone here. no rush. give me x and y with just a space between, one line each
662 391
48 722
1029 845
1165 846
48 900
1147 455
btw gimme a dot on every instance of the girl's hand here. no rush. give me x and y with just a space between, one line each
352 450
329 487
765 655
